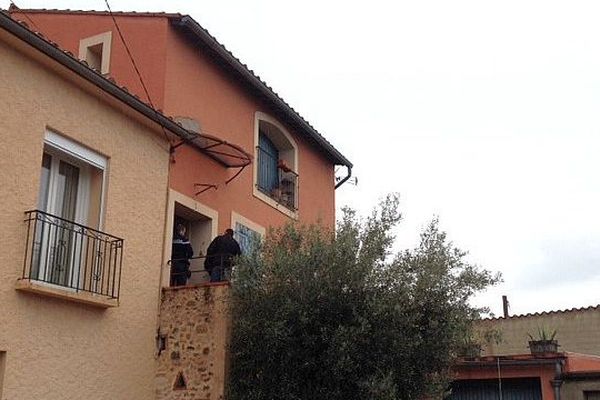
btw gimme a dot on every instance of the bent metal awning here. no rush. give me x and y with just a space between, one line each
227 154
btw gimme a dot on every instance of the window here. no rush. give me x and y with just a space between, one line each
246 237
595 395
95 51
276 166
246 232
71 181
65 246
268 156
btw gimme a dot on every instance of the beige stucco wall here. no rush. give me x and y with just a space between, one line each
194 321
575 389
58 349
577 331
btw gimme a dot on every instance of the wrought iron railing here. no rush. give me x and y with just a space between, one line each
67 254
280 183
198 265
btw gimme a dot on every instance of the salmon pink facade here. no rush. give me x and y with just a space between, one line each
289 167
104 152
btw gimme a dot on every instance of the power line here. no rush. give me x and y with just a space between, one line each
135 67
137 71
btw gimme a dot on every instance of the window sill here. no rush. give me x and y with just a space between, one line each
30 286
274 203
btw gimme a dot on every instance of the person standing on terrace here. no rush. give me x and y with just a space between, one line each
180 257
219 255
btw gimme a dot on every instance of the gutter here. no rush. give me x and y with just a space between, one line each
208 40
509 363
557 381
348 175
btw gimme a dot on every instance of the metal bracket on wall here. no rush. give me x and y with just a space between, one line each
205 187
236 175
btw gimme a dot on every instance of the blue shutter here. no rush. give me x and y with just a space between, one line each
246 237
268 157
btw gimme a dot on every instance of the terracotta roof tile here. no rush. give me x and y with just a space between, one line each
68 53
12 8
254 79
551 312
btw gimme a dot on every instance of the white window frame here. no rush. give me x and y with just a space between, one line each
258 117
104 39
177 197
238 218
61 148
56 144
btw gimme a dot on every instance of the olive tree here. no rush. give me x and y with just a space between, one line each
336 316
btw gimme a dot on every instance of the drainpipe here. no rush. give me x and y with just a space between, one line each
340 183
557 381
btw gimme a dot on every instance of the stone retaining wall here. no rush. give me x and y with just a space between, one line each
194 329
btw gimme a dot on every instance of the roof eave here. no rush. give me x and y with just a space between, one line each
45 47
208 40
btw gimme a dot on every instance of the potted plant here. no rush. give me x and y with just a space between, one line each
543 342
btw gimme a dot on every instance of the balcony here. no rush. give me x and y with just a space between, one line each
68 260
277 180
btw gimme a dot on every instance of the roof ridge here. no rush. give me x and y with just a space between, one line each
542 313
191 24
186 21
94 12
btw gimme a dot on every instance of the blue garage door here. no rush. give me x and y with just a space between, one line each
512 389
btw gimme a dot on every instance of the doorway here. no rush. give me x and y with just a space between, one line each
199 229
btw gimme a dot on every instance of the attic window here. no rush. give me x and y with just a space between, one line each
95 51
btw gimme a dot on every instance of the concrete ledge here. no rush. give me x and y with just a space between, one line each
96 300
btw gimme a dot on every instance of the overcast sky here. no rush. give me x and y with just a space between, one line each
484 113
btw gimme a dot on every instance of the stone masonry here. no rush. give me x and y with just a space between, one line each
193 331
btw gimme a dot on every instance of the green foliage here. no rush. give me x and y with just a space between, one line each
543 335
318 315
471 344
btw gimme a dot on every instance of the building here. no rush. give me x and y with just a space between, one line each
279 169
511 368
83 163
577 330
95 176
549 376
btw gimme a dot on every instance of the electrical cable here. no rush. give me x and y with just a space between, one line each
137 71
135 67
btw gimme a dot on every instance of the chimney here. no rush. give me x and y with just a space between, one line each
505 306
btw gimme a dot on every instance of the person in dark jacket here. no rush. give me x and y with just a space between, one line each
219 255
181 252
